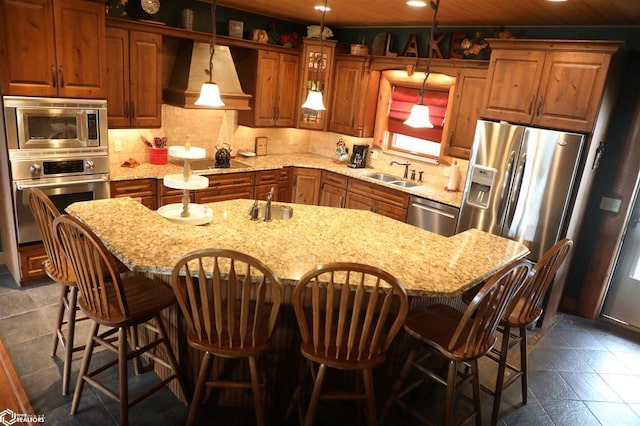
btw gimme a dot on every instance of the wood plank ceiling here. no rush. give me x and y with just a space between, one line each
452 13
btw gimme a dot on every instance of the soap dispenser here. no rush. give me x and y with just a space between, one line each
454 178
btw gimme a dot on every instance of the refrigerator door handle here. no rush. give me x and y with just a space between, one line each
505 188
517 186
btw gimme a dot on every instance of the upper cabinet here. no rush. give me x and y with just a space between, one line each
316 74
53 48
556 84
271 77
354 96
134 95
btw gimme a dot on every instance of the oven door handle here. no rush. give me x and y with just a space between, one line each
23 186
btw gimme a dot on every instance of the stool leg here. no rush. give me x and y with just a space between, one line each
122 376
371 399
86 359
255 385
451 392
523 362
315 395
397 386
64 289
173 362
205 369
476 391
68 346
502 364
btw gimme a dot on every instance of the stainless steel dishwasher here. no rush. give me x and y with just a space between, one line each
432 216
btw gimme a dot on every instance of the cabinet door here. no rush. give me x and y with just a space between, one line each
346 96
332 196
571 90
306 186
512 84
316 74
287 90
467 102
27 48
389 210
266 89
144 78
80 48
212 196
359 202
117 45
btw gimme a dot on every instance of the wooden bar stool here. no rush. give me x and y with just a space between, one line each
230 302
525 311
460 338
58 269
120 303
348 315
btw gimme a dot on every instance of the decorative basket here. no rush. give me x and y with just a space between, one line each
359 49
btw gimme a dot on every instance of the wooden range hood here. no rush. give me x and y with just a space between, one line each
188 74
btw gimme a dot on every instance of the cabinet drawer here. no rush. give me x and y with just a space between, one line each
133 188
284 174
231 180
378 192
31 258
209 196
334 179
267 177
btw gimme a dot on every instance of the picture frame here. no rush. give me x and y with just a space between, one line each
236 28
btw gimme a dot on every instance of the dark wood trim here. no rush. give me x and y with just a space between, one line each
12 393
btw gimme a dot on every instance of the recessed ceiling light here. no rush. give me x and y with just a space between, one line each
554 1
417 3
321 8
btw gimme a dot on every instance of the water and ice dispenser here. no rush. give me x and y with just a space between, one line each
481 188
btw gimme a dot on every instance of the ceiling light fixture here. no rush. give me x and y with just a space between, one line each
419 115
314 97
322 8
416 3
210 91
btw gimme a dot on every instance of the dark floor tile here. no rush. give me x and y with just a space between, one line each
45 294
579 338
590 387
605 362
16 302
621 342
565 359
530 414
611 413
550 386
44 388
570 413
554 340
24 326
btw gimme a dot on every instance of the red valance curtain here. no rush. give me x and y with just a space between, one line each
403 98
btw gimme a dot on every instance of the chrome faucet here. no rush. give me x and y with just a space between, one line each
406 165
267 208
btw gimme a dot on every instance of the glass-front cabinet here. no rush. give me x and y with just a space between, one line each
316 74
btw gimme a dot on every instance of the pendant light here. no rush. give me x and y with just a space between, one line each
314 99
419 115
210 91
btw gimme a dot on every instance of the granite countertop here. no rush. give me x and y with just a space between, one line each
269 162
426 263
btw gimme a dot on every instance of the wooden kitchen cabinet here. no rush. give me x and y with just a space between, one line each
134 94
316 73
354 96
306 186
388 202
142 190
285 178
265 181
333 189
555 84
228 186
53 48
31 258
272 79
465 111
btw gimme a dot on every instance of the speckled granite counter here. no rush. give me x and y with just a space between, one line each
426 263
269 162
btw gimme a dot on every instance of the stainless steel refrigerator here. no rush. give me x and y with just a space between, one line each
519 183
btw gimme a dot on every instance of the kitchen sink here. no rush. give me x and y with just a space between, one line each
380 176
404 183
277 212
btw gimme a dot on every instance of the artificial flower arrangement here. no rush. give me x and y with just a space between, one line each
475 46
286 40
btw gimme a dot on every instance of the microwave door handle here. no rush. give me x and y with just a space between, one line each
517 187
504 193
23 186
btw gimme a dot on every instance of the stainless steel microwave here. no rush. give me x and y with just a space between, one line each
55 123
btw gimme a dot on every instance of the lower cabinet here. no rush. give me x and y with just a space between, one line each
229 186
143 190
333 189
265 181
31 258
284 192
306 186
376 198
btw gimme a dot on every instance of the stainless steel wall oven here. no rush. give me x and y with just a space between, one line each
59 146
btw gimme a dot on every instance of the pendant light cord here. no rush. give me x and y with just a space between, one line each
212 43
320 60
434 5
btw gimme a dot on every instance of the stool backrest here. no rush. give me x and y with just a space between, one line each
228 298
474 335
45 212
102 297
349 311
528 306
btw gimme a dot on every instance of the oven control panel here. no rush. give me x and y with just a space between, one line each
61 167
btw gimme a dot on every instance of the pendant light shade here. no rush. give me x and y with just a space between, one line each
209 96
314 101
419 117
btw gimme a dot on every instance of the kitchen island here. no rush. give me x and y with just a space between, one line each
431 267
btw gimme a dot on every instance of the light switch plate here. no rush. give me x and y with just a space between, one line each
610 204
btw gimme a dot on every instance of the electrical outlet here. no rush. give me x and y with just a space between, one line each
374 154
445 171
117 146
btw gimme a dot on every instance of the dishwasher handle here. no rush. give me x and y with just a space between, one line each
432 210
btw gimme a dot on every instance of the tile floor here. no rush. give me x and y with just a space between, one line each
582 372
